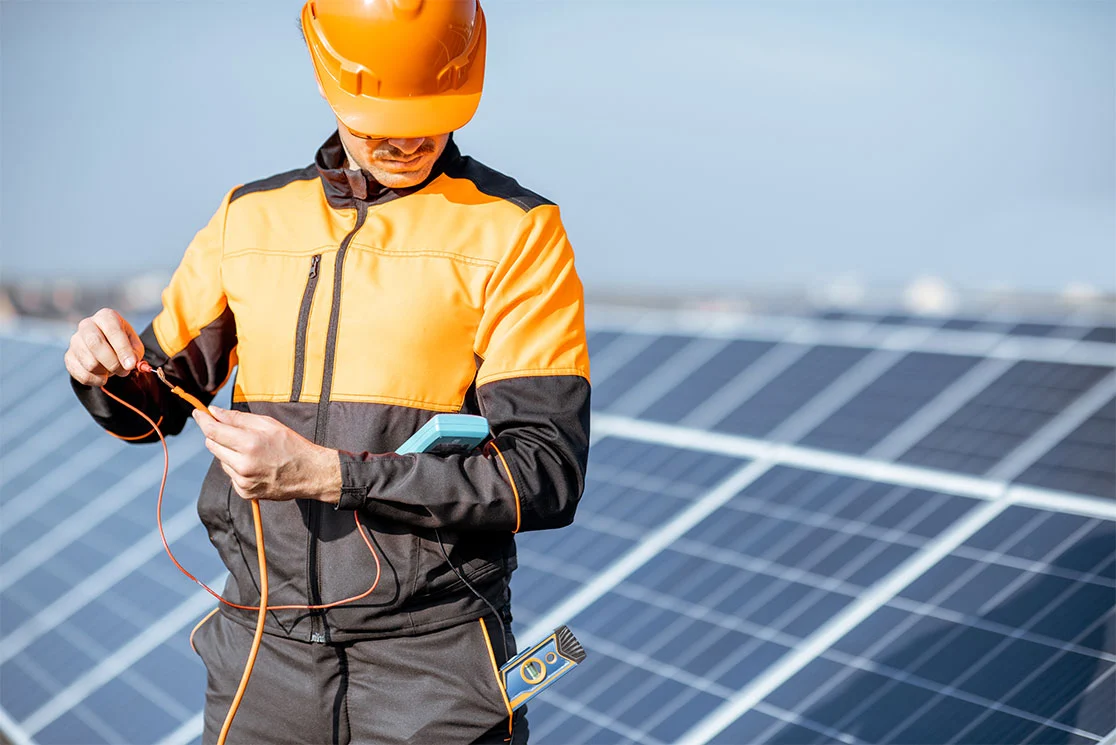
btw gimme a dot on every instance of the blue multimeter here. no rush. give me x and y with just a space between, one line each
528 673
446 434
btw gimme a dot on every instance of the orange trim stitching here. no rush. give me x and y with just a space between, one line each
199 625
496 672
511 481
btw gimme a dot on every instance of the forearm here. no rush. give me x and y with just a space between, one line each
530 477
427 491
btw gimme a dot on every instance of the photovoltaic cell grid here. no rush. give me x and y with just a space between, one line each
1003 415
948 661
765 409
887 402
631 487
1083 462
742 588
729 364
694 575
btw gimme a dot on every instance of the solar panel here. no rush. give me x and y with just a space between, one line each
951 659
1083 462
845 527
962 324
1003 415
749 582
651 357
783 396
727 365
890 400
1105 334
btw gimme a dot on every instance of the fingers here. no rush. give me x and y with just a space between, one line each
227 435
242 486
120 336
232 461
240 469
103 345
235 465
84 368
241 419
93 340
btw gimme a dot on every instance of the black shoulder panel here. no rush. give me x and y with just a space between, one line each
277 181
495 184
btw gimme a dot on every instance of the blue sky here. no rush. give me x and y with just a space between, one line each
698 146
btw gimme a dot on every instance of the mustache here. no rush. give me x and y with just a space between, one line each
390 152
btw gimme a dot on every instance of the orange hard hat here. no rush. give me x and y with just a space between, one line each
398 68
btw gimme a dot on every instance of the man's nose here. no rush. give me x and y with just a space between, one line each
407 145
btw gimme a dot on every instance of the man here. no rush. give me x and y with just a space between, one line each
357 298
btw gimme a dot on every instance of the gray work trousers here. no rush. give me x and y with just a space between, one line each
435 689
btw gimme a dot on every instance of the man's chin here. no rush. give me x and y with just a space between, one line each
400 179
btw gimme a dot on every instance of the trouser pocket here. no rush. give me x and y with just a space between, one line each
194 633
498 653
439 687
290 698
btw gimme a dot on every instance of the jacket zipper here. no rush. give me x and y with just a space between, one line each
317 630
303 322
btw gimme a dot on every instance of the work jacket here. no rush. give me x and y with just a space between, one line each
353 314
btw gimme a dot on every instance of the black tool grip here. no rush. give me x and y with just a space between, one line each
568 645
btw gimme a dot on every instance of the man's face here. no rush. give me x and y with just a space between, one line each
395 162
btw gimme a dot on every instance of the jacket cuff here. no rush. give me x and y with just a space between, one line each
363 474
111 415
354 485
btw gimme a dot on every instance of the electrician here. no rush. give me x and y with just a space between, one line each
350 301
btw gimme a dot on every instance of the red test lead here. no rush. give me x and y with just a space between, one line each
144 367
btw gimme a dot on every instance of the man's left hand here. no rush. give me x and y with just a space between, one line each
268 460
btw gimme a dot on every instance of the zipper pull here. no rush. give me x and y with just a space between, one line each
317 638
315 260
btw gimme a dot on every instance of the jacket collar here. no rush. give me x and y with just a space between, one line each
344 187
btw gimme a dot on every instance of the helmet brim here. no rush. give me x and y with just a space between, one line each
418 116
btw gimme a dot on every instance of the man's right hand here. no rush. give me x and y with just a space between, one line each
103 345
